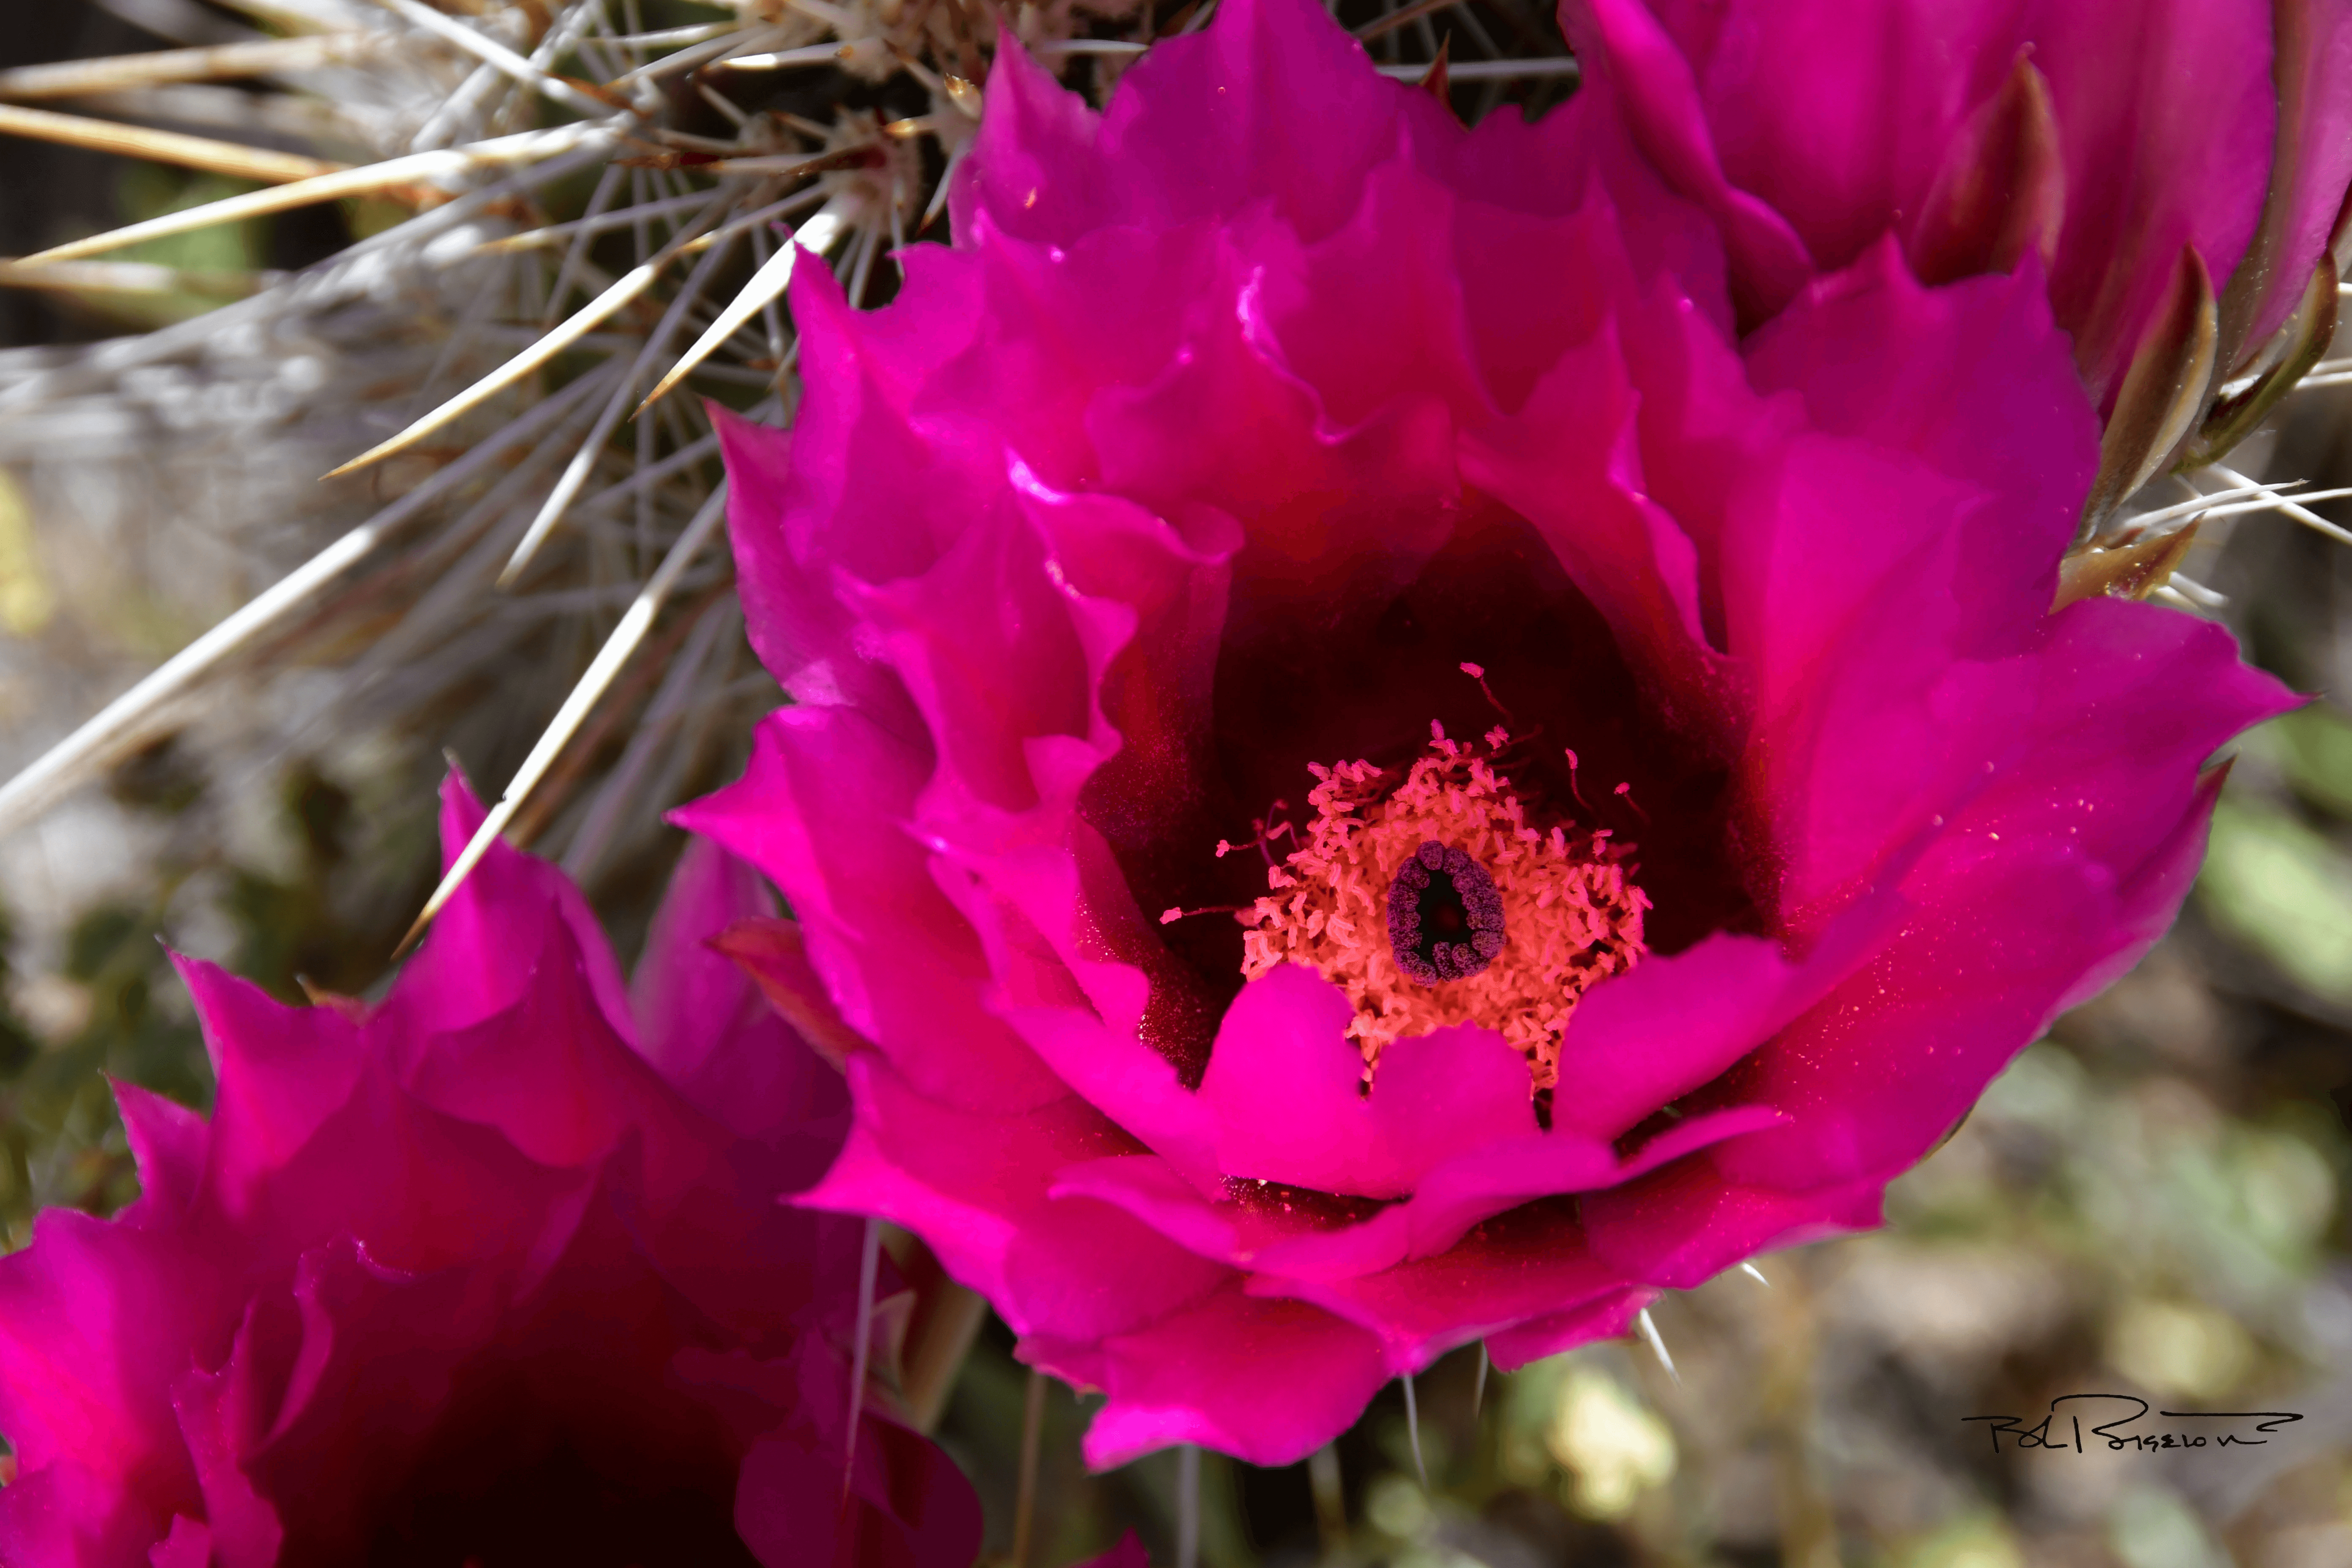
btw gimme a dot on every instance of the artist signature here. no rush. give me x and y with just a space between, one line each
2074 1425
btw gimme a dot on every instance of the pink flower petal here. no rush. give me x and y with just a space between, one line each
462 975
1837 124
1519 1268
1128 1554
2312 172
822 811
1627 56
1268 1381
280 1074
95 1321
1601 1319
704 1025
168 1140
976 1187
1685 1224
65 1512
1675 1022
1985 397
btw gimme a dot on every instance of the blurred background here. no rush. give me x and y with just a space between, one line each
2152 1201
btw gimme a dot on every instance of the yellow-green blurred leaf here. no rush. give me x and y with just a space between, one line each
2315 750
150 190
2285 891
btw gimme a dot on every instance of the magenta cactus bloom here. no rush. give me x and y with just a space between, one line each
1128 1554
2107 140
1364 776
493 1272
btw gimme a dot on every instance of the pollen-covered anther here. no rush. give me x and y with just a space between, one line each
1435 901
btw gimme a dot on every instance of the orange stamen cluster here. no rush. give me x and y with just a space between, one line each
1571 913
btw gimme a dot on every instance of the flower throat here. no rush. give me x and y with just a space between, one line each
1432 901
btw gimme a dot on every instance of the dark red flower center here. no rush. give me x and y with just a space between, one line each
1434 896
1351 656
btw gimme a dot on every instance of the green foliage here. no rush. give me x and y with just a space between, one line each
2285 891
61 1142
2315 746
150 190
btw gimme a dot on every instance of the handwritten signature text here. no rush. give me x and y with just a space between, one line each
2086 1422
